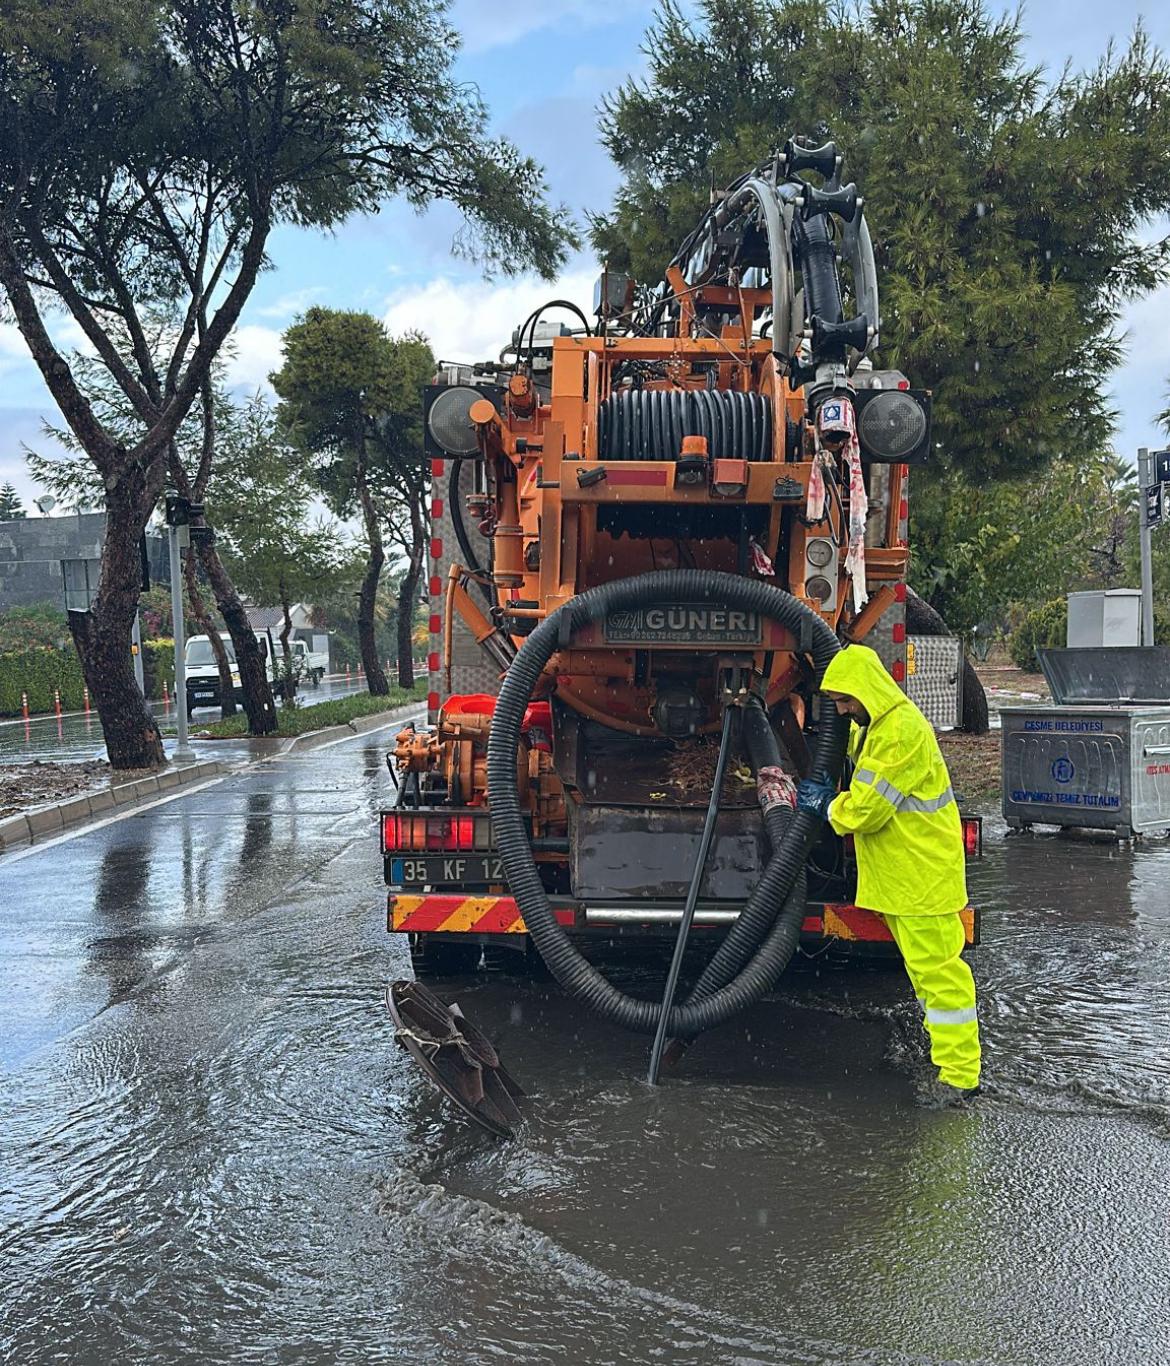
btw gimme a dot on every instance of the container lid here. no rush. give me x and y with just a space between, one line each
1110 674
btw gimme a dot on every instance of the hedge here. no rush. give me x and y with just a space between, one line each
158 665
37 672
40 669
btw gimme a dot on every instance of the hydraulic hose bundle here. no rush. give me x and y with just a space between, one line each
760 944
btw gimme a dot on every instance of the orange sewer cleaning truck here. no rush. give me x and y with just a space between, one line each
652 530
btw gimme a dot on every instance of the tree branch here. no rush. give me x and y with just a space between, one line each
74 405
105 348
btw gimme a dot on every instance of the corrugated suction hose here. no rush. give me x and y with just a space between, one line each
760 944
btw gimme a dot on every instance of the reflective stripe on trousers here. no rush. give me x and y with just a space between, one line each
931 948
924 805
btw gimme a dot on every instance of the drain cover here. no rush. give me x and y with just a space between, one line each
457 1056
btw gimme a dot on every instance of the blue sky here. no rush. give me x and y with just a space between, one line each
543 67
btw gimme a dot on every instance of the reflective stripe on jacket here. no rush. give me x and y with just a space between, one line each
899 806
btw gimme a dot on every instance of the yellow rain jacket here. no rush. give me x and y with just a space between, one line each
899 806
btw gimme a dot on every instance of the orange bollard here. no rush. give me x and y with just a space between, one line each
57 701
24 705
347 673
166 697
85 692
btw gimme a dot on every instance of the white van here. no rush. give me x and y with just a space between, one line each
203 672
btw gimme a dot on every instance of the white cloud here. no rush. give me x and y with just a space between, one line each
257 352
471 320
482 26
1139 387
292 303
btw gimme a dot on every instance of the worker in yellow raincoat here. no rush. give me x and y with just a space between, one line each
901 811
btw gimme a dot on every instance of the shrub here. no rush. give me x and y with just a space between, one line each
23 628
158 665
37 671
1043 628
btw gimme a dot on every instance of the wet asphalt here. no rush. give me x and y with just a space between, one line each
77 736
211 1150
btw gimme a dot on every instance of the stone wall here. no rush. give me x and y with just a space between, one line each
32 548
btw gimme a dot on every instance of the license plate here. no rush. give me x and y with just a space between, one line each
436 870
202 696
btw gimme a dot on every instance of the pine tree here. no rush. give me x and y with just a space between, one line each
11 509
1005 205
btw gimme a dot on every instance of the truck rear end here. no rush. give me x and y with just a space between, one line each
642 526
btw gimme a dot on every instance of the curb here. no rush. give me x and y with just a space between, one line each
41 821
361 725
51 820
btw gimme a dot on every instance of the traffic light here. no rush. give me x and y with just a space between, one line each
178 510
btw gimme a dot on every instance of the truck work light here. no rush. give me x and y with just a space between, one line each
893 426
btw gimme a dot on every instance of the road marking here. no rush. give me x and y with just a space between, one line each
142 807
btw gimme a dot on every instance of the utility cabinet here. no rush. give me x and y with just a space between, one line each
1110 617
1100 756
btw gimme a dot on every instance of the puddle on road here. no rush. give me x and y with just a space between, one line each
233 1163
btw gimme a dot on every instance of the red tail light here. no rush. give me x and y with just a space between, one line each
973 836
417 833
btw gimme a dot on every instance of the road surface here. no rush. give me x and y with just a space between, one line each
213 1152
77 736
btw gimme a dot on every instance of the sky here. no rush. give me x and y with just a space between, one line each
543 67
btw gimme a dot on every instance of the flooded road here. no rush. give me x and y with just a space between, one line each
212 1152
77 736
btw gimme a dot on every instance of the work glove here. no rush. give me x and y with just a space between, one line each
815 794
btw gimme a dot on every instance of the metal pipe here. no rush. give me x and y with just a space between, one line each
688 915
1145 479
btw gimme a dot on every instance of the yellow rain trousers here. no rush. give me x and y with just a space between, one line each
911 866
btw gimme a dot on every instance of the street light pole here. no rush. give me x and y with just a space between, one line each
183 754
1145 479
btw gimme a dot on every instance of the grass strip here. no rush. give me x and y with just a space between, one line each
298 720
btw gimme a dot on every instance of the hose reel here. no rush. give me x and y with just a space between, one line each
649 424
760 944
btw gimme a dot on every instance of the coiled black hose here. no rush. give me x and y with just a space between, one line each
728 990
649 424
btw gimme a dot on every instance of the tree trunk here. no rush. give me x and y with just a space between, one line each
376 680
102 637
258 703
206 623
923 620
289 683
408 595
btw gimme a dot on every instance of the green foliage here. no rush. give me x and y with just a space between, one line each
158 667
42 624
349 396
299 720
1005 206
37 671
11 508
337 612
980 546
1043 628
261 503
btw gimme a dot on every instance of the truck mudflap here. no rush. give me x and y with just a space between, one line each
490 914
